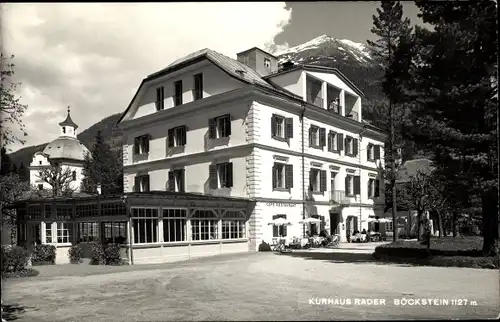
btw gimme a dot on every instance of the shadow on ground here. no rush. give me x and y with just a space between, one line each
13 312
333 257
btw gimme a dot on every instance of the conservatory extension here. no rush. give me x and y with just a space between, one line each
163 226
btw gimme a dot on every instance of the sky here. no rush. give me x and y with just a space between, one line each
92 57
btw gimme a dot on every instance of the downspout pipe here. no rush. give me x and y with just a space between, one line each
303 171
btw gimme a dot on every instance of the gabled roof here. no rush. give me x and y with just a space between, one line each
229 65
237 70
315 68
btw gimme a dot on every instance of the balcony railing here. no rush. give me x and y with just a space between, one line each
339 197
318 101
353 115
334 107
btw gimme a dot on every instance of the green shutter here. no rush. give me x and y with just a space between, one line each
274 176
357 185
273 125
340 141
289 128
213 176
354 147
322 179
289 176
229 174
212 128
322 137
170 138
377 152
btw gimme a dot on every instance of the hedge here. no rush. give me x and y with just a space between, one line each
75 254
14 259
44 254
264 247
22 273
109 254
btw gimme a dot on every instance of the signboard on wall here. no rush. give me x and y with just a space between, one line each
280 204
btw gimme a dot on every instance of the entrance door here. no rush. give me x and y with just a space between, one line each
334 223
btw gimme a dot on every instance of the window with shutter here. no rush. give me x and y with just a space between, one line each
322 137
171 181
340 141
348 189
357 185
198 87
289 128
314 180
289 176
160 98
171 138
214 183
314 137
278 127
212 128
279 175
377 152
354 147
136 146
275 182
323 180
369 151
178 93
377 189
370 188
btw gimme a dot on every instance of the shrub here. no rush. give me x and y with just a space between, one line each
112 254
75 253
264 247
44 254
14 259
97 256
22 273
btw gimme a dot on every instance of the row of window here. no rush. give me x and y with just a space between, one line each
197 92
218 127
174 226
221 176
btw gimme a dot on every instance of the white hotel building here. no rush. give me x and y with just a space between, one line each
212 125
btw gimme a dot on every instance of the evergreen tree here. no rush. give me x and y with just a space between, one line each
23 172
454 85
102 167
391 29
6 166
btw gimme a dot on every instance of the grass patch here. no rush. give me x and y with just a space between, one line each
445 246
445 251
22 273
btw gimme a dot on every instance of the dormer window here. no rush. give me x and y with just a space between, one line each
267 63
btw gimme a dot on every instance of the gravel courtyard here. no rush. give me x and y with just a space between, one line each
255 286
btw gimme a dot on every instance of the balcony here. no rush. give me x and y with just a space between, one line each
334 107
338 197
318 101
353 116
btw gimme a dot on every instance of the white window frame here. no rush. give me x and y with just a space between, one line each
178 132
142 144
279 169
168 219
333 142
221 131
152 227
314 136
267 63
350 177
333 181
371 189
349 147
211 225
280 127
222 176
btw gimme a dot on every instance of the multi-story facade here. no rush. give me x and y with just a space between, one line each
293 141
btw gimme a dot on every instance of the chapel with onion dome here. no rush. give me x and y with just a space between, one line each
66 150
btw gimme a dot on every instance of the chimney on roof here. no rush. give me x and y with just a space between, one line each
259 60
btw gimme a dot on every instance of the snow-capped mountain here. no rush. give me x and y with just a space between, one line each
328 49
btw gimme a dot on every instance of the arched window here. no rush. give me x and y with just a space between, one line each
64 129
74 175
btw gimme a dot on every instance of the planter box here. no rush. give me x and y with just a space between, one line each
42 263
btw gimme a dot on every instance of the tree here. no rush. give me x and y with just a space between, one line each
103 167
391 28
23 172
454 85
59 178
11 108
13 189
415 194
6 166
